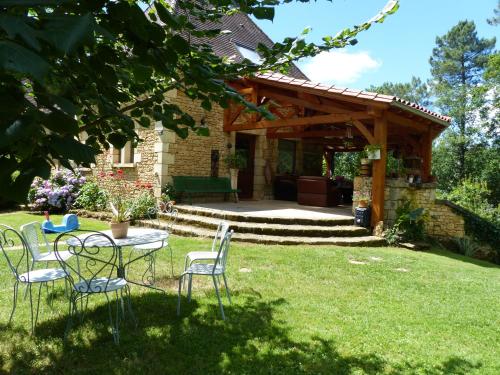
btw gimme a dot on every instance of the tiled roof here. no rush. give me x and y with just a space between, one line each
367 95
244 32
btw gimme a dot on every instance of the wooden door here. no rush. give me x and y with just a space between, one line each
245 145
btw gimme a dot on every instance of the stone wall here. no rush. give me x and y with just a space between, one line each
443 222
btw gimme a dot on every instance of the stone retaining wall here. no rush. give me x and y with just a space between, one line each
443 221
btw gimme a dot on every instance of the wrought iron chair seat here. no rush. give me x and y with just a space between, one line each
51 257
100 285
42 276
150 246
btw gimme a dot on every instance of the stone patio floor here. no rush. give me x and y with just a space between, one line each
276 209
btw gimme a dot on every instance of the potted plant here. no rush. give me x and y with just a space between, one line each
235 162
118 191
363 198
373 152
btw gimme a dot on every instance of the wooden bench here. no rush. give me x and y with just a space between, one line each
203 184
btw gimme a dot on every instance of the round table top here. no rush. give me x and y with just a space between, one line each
135 236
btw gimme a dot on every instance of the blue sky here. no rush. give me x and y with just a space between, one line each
392 51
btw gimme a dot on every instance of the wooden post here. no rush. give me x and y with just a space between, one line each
426 152
378 175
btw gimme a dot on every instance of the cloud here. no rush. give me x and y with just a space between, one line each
339 67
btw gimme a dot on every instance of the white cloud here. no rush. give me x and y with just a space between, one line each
339 67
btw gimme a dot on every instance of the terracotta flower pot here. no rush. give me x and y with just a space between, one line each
362 204
119 230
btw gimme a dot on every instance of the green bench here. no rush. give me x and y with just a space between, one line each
203 184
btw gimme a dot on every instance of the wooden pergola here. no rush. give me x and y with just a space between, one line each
328 115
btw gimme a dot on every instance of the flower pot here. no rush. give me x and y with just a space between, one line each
233 172
373 154
362 204
119 230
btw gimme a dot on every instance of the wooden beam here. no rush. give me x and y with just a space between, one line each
364 130
426 152
410 123
301 102
300 121
309 134
378 178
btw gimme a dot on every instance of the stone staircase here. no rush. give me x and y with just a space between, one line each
202 222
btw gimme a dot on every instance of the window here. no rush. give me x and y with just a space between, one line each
286 156
124 155
249 54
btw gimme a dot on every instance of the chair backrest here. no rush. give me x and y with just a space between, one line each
16 252
163 210
221 260
222 229
34 236
96 257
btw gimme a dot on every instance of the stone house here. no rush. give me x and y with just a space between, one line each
314 121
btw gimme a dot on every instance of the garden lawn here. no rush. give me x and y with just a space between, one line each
296 310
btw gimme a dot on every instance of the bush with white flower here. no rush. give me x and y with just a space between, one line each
56 194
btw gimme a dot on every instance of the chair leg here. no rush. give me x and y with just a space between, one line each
227 288
129 304
171 260
114 328
71 313
179 295
31 307
218 298
14 304
190 284
38 301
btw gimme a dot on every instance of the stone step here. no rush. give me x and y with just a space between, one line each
249 218
296 230
193 231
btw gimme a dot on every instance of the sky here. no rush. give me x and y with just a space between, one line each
391 51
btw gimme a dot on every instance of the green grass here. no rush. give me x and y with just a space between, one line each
296 310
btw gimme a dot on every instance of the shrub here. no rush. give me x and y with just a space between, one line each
142 206
168 193
474 195
57 194
91 197
409 224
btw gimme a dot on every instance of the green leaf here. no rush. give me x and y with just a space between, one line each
117 140
70 148
68 32
16 58
145 121
266 13
15 26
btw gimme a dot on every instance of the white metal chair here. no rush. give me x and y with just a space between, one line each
149 249
214 270
94 272
211 255
16 252
35 237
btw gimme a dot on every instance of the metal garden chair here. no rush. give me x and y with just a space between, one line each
214 270
148 250
35 237
16 252
211 255
94 271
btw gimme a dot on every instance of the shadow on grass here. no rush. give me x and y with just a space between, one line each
250 341
460 257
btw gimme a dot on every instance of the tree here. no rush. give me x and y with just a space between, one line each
103 66
458 63
415 91
495 20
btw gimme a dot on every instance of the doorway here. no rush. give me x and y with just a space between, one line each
245 145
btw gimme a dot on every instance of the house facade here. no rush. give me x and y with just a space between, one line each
313 122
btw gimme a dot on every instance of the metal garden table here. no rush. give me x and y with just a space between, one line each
135 236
